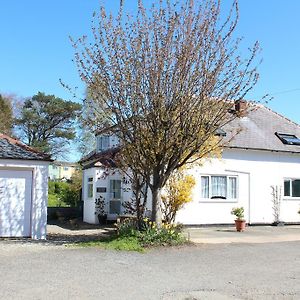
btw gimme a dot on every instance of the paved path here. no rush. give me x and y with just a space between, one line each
252 234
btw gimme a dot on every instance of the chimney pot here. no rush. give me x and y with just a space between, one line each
240 107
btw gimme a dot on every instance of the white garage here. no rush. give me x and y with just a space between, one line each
23 190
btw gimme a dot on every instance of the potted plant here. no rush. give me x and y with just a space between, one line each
100 210
240 222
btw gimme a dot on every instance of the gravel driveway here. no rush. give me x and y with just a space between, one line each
215 271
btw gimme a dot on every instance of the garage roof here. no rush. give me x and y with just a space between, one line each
13 149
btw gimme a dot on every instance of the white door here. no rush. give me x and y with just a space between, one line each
15 203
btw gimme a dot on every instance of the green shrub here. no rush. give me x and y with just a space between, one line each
150 234
127 228
62 194
238 212
166 234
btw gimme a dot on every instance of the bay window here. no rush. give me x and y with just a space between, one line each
90 187
115 189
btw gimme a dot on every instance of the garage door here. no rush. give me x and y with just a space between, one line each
15 203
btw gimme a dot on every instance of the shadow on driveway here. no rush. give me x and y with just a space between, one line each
60 234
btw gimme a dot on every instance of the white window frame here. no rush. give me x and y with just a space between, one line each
100 142
90 182
113 191
227 200
290 197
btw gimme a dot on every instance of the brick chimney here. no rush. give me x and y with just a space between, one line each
240 107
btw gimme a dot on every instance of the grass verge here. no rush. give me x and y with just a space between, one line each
129 243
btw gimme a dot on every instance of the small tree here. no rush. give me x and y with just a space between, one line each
165 81
177 192
6 116
276 199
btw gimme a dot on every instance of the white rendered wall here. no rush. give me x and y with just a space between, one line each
89 203
258 170
39 192
102 179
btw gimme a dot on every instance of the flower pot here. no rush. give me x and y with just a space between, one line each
102 219
240 225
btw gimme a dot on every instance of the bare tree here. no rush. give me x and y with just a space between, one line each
276 199
165 80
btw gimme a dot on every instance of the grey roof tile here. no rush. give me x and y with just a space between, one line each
256 130
13 149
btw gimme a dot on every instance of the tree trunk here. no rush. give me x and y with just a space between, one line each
156 205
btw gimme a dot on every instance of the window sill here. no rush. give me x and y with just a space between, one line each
218 201
291 198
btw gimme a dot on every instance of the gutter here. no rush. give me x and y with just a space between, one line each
262 149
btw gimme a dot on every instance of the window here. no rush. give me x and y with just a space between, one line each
220 132
115 189
288 139
90 187
103 143
66 168
101 189
292 188
54 167
115 207
219 187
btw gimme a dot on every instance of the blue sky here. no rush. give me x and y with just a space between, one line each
35 49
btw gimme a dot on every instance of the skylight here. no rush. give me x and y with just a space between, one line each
220 132
288 139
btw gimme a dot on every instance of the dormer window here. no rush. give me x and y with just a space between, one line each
288 139
103 142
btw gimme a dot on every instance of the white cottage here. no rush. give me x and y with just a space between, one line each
23 190
262 150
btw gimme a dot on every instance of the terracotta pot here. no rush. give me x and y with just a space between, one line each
240 225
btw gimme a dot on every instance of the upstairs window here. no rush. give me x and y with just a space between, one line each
288 139
103 142
219 187
292 187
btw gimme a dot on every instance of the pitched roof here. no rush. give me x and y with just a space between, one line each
11 148
253 130
64 163
256 130
104 158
